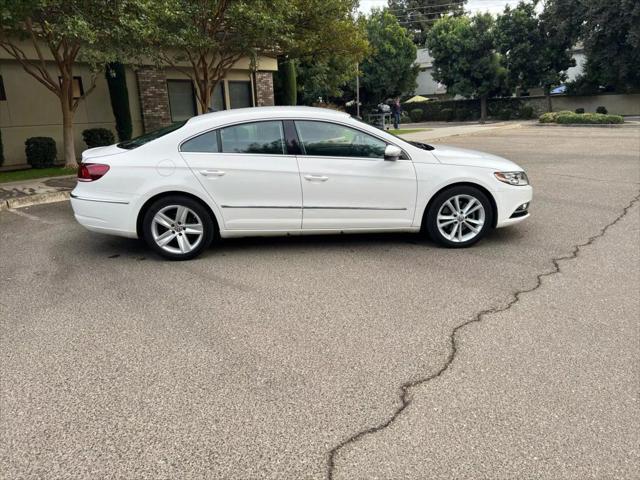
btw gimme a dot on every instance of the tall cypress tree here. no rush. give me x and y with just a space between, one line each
119 95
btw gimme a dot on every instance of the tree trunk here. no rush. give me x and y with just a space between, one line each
67 131
547 93
483 109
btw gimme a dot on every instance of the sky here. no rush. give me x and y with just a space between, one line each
493 6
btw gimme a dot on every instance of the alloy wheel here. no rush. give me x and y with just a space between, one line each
177 229
460 218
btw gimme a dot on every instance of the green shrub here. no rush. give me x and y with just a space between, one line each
588 118
579 111
404 117
504 114
526 112
416 115
40 151
551 117
98 137
1 150
602 110
447 114
462 114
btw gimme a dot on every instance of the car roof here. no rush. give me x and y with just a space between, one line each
263 113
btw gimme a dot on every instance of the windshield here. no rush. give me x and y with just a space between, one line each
147 137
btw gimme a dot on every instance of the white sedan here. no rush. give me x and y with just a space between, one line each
288 171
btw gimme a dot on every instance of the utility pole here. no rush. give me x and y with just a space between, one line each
358 89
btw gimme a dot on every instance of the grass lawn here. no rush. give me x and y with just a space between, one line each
35 173
408 130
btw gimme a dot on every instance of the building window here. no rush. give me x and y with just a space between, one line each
182 101
240 94
3 94
217 99
78 89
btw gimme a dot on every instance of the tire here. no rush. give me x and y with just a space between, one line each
178 227
459 227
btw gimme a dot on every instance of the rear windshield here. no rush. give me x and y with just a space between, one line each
147 137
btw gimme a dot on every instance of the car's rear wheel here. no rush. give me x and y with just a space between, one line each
459 216
178 227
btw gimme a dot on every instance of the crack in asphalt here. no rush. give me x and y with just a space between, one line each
406 387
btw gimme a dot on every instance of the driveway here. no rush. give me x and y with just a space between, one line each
286 358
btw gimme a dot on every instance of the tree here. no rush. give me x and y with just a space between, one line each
418 16
204 39
326 78
611 39
390 70
286 82
464 57
63 32
326 45
535 53
119 96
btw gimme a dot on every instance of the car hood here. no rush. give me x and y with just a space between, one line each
102 152
472 158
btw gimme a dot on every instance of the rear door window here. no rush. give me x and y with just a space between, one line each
257 137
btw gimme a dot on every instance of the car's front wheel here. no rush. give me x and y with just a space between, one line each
459 216
178 227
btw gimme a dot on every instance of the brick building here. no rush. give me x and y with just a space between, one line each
157 97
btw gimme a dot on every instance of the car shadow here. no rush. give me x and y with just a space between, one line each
112 247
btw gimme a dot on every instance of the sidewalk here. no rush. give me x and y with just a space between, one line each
31 192
444 130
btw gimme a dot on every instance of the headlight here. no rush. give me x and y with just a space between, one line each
513 178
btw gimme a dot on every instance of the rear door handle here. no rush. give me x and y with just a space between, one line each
316 178
212 173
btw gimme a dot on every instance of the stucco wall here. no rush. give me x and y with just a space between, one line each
615 104
32 110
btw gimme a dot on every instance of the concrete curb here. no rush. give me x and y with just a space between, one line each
38 199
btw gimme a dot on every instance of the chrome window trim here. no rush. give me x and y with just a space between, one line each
294 119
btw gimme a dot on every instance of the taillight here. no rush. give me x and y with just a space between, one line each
89 172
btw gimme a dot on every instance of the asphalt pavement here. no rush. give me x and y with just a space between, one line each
285 357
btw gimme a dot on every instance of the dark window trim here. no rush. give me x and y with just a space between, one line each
291 138
3 93
193 96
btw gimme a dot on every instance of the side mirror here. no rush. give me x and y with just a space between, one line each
392 153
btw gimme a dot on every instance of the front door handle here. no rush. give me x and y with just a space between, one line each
316 178
212 173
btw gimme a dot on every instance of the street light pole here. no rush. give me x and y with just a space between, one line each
358 89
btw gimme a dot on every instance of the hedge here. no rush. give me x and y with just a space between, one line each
40 151
567 118
98 137
469 109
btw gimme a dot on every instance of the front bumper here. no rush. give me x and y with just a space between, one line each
508 200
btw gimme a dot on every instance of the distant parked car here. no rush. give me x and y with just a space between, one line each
291 170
